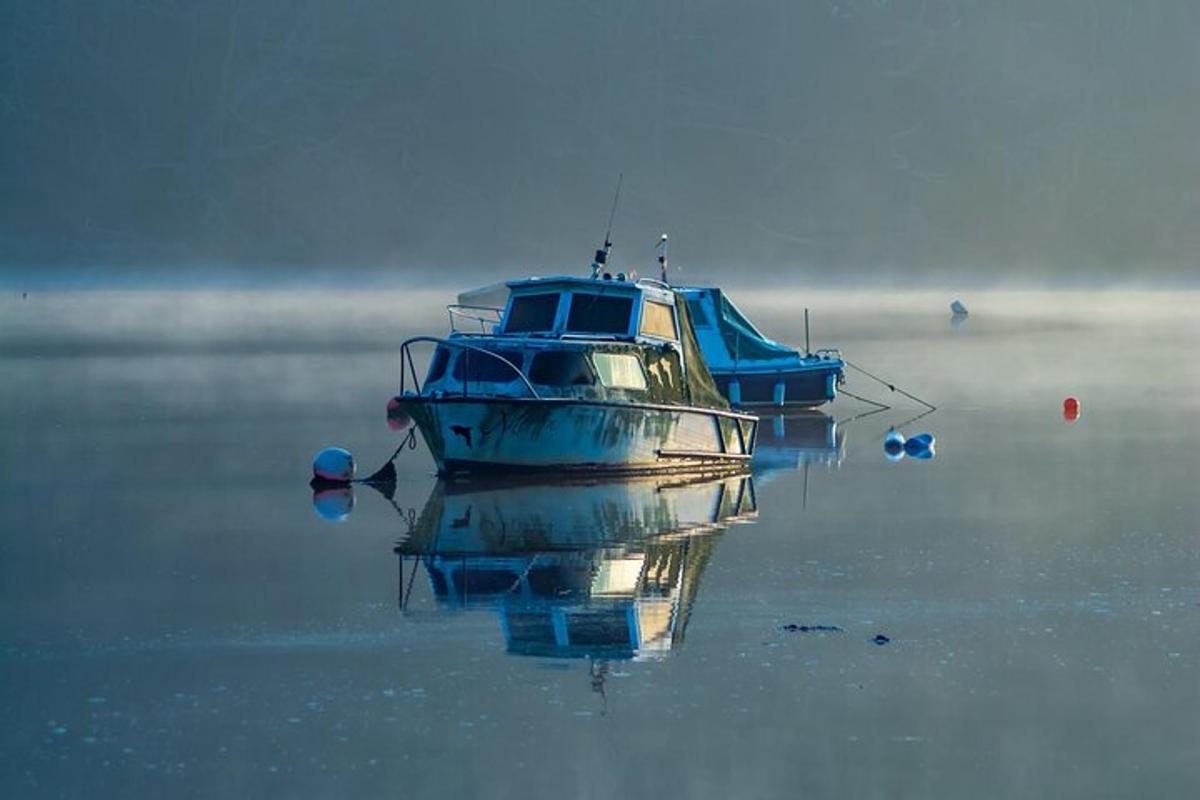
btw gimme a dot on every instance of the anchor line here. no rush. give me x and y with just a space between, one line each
409 441
907 422
863 415
878 406
888 384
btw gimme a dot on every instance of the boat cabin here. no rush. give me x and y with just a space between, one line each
565 308
576 337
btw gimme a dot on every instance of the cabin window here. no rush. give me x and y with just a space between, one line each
532 313
530 627
619 371
599 627
597 313
473 365
437 367
698 313
658 319
560 368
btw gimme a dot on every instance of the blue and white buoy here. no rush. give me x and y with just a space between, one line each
893 445
915 444
334 464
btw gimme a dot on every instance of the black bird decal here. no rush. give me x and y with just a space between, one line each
463 431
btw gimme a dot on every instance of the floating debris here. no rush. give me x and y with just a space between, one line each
792 627
880 639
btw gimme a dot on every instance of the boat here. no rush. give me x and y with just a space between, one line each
574 374
751 370
604 569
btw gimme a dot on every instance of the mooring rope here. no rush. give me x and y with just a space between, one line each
878 406
888 384
383 474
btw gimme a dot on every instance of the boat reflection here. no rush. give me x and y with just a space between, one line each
798 440
600 571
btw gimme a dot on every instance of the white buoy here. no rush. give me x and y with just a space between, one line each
334 464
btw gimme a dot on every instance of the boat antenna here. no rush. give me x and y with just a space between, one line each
601 258
662 258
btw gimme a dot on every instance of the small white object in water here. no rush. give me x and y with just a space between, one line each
958 309
334 464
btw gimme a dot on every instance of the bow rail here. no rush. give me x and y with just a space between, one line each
408 367
488 317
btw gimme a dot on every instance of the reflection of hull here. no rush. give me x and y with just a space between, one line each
481 434
604 570
793 440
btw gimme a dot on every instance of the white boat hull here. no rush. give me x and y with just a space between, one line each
482 434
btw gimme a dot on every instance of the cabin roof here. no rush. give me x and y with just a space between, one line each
659 291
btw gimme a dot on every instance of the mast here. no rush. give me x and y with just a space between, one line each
662 258
600 260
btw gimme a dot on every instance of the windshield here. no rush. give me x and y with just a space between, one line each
597 313
532 313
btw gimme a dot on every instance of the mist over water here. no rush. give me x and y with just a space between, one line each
177 618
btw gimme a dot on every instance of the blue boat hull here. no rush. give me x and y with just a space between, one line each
806 387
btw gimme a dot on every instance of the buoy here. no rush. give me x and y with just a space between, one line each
920 446
334 464
1070 409
958 309
893 445
397 418
922 441
333 504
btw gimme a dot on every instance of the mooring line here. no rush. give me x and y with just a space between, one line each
878 406
863 415
388 471
889 385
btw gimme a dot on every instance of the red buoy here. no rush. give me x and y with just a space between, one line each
397 419
1070 409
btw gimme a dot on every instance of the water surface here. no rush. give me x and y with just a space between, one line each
176 619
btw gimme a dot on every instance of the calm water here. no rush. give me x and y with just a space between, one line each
177 621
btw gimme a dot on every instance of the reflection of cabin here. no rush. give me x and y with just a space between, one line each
566 597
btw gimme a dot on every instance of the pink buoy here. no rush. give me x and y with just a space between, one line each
397 418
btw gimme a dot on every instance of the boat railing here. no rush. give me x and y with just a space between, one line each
653 282
408 367
486 317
